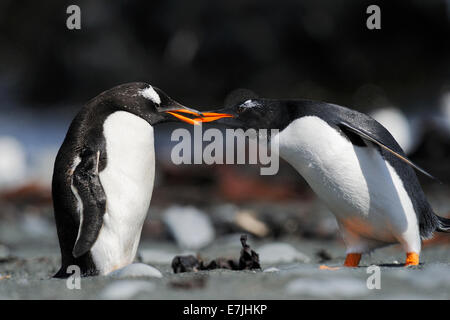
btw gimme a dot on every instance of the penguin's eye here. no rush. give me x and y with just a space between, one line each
240 109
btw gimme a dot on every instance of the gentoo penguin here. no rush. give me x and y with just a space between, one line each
355 167
103 176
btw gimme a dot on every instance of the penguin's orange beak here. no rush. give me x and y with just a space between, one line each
187 116
196 118
213 116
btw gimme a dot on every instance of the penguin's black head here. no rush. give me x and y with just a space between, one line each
153 104
159 107
254 114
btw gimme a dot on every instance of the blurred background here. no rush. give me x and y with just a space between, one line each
205 54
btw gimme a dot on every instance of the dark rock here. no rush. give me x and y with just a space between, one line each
323 255
249 260
186 264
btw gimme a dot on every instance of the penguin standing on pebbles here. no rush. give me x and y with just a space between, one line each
355 167
104 173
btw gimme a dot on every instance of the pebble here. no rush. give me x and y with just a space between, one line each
126 289
224 213
136 270
191 227
279 252
272 269
246 219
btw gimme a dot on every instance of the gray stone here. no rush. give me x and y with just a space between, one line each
136 270
271 269
191 228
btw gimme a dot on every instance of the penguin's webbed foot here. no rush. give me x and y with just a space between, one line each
412 259
352 260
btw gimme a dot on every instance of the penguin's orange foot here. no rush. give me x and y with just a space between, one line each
412 259
352 260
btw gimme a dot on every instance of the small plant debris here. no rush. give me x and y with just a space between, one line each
186 264
249 260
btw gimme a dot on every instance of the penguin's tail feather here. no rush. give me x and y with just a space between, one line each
444 225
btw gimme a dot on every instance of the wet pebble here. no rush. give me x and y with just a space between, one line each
272 269
191 228
136 270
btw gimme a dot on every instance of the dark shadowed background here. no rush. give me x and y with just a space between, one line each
199 51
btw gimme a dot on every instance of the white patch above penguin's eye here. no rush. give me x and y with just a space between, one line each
248 105
150 94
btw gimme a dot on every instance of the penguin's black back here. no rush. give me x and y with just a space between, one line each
334 115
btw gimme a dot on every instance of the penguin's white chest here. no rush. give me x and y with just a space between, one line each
357 184
128 184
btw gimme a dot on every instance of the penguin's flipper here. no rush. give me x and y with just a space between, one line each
86 182
369 137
